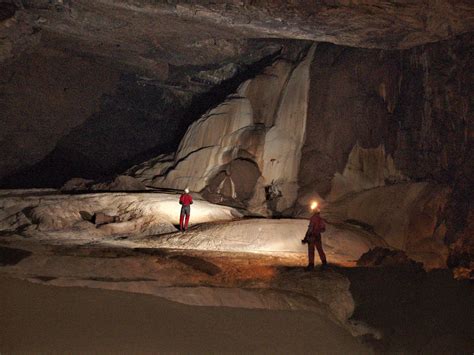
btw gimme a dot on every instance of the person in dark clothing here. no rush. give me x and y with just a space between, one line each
313 239
185 200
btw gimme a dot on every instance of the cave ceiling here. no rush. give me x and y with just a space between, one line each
153 35
92 71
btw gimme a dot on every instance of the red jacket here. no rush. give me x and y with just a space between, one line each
185 199
316 224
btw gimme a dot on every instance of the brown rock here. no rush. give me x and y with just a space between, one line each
100 218
386 257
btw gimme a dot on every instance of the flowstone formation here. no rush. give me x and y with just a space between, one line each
330 126
252 139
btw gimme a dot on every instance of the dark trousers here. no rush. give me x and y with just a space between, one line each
185 211
315 242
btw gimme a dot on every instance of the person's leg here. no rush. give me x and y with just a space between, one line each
319 246
187 210
310 254
188 214
181 218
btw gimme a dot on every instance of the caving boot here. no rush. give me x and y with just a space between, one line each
324 266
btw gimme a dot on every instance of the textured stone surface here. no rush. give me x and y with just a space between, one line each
159 58
51 215
367 23
407 216
342 243
149 35
374 117
365 169
414 103
69 113
224 153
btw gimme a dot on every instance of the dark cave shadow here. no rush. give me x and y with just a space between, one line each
12 256
133 114
417 311
54 170
86 216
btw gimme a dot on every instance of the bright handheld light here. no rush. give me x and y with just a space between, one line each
314 205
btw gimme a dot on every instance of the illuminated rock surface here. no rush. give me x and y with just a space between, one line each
263 134
254 264
261 105
48 214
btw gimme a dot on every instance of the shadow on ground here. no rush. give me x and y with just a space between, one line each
418 312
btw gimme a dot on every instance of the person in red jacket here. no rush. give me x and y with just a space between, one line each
313 239
185 200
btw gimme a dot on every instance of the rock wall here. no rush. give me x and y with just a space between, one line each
377 118
354 121
365 169
70 110
44 95
409 216
414 103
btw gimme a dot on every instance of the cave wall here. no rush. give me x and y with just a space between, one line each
381 118
384 136
44 94
371 118
414 103
346 108
69 110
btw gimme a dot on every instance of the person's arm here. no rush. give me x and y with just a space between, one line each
322 226
308 234
181 200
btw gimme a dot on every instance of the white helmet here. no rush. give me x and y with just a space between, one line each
186 190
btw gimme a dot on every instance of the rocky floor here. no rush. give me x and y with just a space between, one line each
234 265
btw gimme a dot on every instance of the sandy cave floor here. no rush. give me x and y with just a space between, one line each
415 312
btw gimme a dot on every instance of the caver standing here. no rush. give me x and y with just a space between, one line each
313 239
185 200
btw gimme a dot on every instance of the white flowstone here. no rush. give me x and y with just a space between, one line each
264 122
